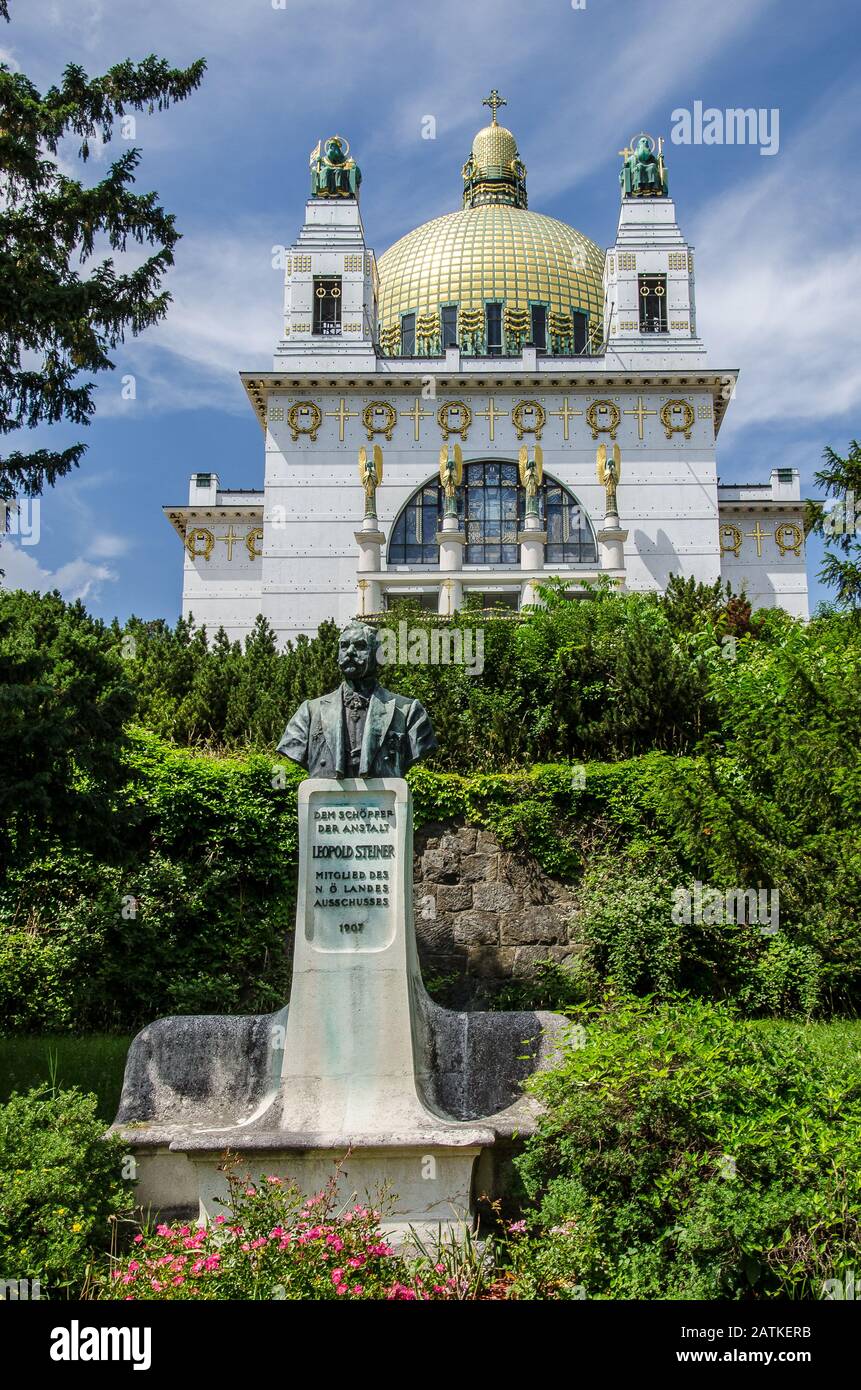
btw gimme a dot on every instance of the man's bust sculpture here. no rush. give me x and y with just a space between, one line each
360 729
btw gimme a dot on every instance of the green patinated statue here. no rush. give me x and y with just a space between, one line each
644 174
333 173
360 729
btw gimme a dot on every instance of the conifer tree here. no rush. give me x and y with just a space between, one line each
65 303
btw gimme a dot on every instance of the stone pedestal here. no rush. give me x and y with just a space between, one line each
611 538
361 1068
451 541
532 541
371 541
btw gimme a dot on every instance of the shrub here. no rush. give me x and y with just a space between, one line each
273 1243
60 1184
685 1153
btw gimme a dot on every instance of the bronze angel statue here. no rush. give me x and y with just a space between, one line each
370 476
531 473
609 472
451 476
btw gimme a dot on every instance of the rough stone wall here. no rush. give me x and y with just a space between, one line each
484 915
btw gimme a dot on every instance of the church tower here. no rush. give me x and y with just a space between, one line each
649 274
330 301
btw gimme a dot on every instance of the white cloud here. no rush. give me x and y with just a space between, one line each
107 546
779 280
77 579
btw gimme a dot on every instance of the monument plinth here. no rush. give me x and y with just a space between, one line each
361 1063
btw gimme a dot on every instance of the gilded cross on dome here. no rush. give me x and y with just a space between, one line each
494 101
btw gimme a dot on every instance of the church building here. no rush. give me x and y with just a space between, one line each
493 404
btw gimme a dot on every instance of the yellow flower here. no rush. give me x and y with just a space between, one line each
76 1226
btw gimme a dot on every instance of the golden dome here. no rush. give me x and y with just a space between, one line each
494 145
491 252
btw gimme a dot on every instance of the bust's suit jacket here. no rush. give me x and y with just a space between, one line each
397 733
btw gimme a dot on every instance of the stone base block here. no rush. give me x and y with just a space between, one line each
430 1187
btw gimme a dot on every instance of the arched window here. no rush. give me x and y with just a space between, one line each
491 508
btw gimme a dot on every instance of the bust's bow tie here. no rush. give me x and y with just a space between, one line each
355 701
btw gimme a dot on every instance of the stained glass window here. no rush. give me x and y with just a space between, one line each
491 509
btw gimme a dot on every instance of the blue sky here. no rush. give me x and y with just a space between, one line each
778 257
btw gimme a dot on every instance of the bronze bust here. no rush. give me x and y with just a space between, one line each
360 729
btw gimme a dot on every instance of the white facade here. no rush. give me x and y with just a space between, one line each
656 394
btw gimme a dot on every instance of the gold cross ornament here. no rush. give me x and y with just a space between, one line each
641 412
230 539
417 415
342 414
491 415
758 535
494 101
565 415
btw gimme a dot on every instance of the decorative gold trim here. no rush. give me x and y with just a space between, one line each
208 539
671 408
491 415
309 427
788 547
734 535
342 414
593 413
374 408
533 408
641 412
255 534
445 423
416 415
566 414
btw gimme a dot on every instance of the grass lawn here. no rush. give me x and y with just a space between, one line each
94 1062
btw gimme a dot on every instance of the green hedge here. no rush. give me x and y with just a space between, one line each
192 908
687 1154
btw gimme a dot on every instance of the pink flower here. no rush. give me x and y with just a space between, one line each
275 1181
156 1285
356 1261
336 1243
517 1228
219 1220
198 1266
440 1269
251 1191
137 1240
276 1232
162 1230
115 1273
341 1288
180 1279
256 1244
185 1230
357 1289
133 1266
337 1276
